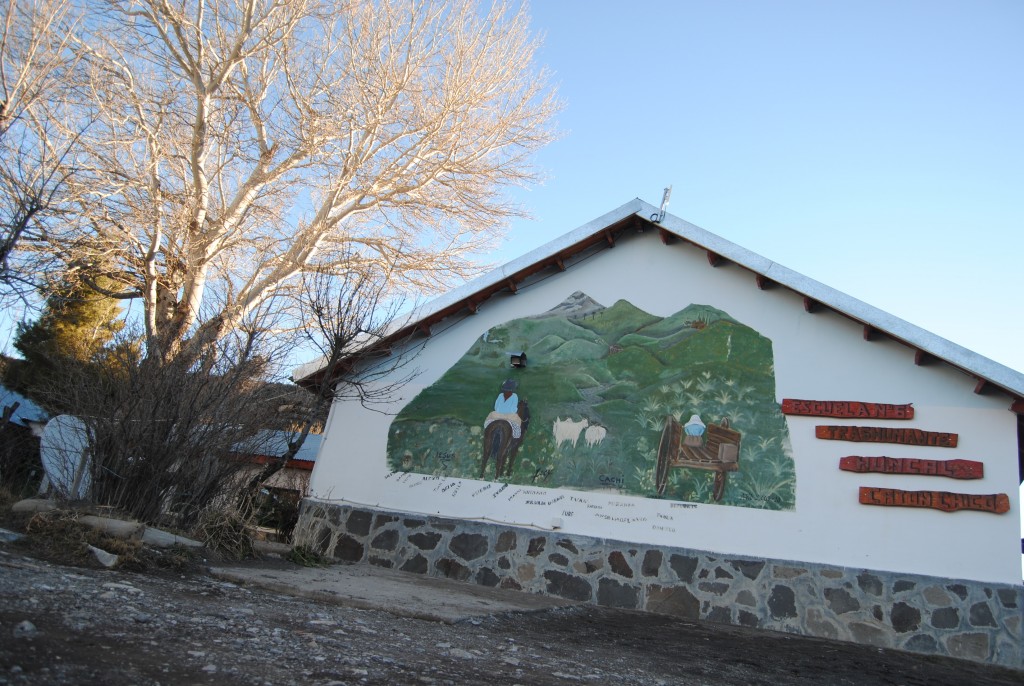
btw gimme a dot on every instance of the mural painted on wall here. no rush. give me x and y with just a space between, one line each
612 399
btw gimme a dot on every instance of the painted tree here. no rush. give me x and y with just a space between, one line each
238 144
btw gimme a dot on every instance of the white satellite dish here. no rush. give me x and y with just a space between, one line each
64 450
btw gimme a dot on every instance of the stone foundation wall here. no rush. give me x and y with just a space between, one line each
962 619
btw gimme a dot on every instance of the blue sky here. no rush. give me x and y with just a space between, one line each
877 147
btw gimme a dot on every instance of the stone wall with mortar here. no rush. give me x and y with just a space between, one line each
968 620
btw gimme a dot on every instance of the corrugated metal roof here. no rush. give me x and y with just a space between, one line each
272 443
470 294
26 410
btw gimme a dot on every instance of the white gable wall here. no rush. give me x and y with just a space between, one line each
819 356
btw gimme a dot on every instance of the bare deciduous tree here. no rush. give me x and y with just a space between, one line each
349 319
241 143
37 66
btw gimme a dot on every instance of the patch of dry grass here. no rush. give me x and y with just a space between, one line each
227 532
59 536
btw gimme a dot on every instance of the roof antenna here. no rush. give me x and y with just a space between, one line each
660 214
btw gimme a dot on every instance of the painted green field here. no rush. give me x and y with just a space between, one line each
620 369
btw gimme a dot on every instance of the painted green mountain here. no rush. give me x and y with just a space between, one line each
622 371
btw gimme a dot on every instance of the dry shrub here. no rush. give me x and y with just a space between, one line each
307 557
227 531
163 438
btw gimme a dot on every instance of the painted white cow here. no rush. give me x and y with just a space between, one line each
594 435
568 431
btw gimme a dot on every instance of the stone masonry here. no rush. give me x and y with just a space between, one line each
962 619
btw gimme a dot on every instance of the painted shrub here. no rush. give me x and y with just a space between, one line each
600 386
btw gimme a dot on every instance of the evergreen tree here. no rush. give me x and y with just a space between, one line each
74 331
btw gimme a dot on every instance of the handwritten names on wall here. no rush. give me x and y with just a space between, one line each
548 502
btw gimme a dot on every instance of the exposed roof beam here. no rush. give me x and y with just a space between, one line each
763 282
811 305
922 357
871 333
714 259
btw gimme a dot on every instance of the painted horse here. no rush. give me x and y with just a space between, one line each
501 445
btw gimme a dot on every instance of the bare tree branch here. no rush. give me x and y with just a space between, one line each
239 144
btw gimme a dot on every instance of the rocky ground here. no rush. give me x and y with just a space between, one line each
76 625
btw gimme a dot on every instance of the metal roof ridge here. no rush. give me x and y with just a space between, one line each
912 335
843 303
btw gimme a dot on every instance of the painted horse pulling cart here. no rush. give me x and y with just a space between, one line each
719 454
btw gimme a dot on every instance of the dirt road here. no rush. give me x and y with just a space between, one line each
70 625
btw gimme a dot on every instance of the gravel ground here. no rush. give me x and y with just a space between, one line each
73 625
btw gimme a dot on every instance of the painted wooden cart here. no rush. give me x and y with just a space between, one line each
719 453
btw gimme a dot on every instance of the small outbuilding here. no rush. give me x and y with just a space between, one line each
643 415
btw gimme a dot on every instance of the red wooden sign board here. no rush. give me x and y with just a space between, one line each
954 469
998 503
885 434
846 408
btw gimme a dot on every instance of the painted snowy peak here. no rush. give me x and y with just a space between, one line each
576 305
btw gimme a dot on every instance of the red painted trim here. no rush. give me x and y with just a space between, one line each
264 459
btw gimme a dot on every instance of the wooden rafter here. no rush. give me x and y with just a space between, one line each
714 259
763 282
811 305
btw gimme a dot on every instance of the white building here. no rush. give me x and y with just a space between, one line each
764 512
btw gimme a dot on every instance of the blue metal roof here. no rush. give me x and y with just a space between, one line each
26 410
274 443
